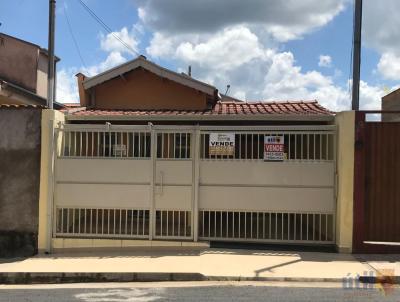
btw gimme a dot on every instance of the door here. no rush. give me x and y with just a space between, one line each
173 184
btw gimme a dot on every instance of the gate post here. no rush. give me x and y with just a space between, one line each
196 173
152 216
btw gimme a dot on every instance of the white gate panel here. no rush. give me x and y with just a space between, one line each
267 199
103 170
174 172
266 173
102 196
174 197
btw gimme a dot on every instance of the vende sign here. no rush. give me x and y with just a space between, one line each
274 148
222 144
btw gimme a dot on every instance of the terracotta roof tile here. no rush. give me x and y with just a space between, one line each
221 108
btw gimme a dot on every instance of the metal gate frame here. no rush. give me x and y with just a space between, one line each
359 244
196 132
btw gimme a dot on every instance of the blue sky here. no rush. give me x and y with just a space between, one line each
264 50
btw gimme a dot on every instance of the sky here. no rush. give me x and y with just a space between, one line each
266 50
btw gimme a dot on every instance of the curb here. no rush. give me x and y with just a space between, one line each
53 278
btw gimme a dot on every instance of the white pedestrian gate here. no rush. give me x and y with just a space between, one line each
120 181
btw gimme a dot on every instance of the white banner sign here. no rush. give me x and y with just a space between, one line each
274 148
222 144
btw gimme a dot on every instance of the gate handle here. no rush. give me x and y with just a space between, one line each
162 182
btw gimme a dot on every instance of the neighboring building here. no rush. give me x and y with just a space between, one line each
23 72
391 102
20 145
155 154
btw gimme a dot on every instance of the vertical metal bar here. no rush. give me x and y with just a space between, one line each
240 146
167 222
137 222
131 210
104 144
245 224
84 229
320 226
121 143
67 220
308 146
307 226
202 216
69 143
215 223
233 224
252 145
80 143
109 144
144 215
320 146
179 222
239 225
79 221
276 225
209 223
168 144
263 225
75 138
289 156
295 226
269 228
301 226
114 221
145 144
302 146
220 223
246 155
98 143
288 219
173 214
140 144
97 220
87 143
108 221
257 223
327 146
295 146
102 221
313 236
186 222
282 227
314 145
62 220
120 221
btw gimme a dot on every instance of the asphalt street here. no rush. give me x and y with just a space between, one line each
217 291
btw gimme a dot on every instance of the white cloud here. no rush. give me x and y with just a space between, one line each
226 50
284 20
110 43
325 61
389 66
67 91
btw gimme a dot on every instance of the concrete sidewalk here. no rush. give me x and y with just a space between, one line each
207 264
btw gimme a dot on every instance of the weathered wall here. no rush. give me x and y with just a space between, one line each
18 62
19 180
140 89
345 122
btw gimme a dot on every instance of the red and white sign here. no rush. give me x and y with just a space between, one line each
274 148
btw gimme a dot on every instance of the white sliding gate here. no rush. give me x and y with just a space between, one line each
114 181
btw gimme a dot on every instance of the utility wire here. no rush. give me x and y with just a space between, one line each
75 41
106 27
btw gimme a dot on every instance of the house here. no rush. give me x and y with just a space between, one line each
23 72
152 154
391 102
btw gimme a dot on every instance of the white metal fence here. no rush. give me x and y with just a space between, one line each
266 226
114 223
299 145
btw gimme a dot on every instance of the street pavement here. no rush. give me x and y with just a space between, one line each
197 291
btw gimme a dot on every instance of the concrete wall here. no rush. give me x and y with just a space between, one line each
345 122
18 62
141 89
19 180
